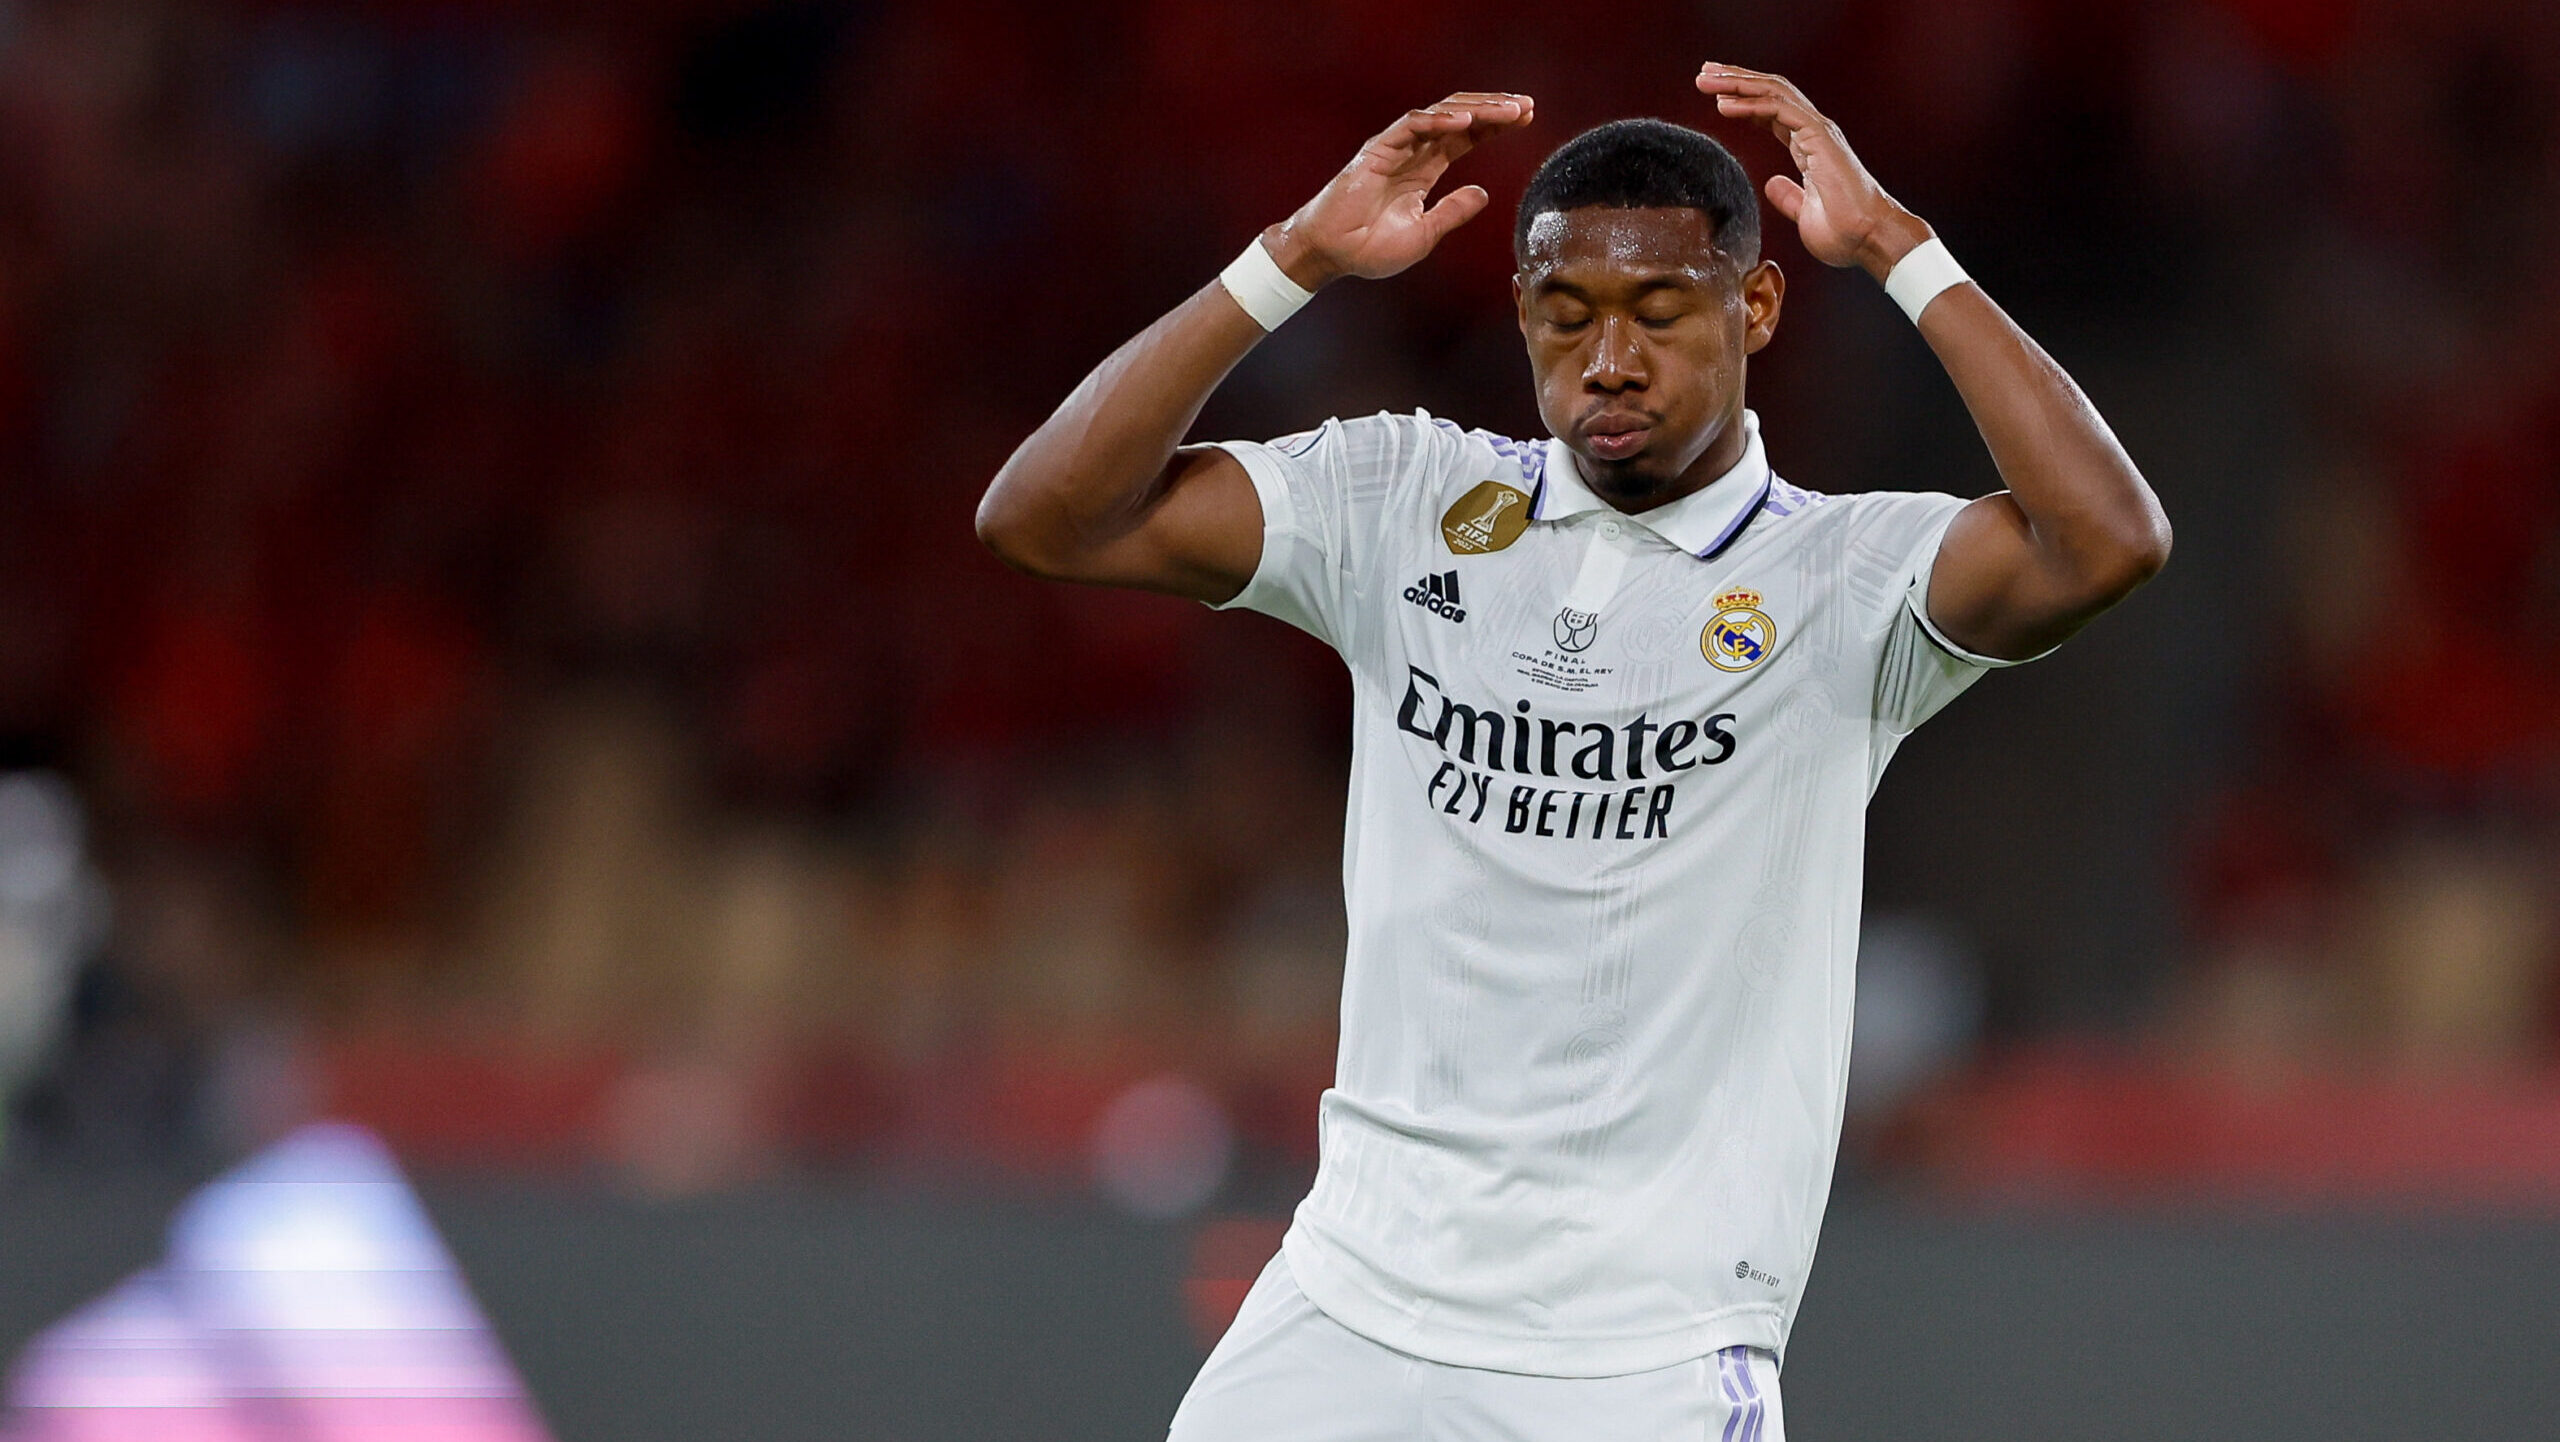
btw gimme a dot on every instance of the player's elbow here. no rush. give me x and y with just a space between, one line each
1017 544
2154 557
2145 547
2133 555
999 528
1009 525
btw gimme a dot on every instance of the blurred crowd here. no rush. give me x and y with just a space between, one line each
2380 882
484 535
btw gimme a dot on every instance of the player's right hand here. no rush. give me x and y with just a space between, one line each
1371 220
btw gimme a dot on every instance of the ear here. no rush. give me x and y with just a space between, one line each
1520 302
1764 291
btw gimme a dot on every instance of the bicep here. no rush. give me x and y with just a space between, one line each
1197 535
1997 593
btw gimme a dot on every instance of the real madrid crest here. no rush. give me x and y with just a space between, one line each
1740 635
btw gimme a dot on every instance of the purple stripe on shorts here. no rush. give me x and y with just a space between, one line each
1733 1430
1750 1410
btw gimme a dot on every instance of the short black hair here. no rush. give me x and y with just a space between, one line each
1647 164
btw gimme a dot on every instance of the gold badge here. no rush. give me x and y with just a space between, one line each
1487 518
1740 635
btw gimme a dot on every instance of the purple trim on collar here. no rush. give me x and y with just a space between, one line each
1742 519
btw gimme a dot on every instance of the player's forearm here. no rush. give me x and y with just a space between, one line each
1094 469
2095 522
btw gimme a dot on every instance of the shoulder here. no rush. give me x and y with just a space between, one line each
1886 507
1786 498
1866 545
1872 516
1415 449
1523 463
1418 430
1906 525
1888 544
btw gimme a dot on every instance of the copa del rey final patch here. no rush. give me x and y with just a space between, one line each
1487 518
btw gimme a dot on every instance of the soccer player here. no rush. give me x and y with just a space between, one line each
1619 699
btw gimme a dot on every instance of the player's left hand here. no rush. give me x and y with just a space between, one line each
1840 213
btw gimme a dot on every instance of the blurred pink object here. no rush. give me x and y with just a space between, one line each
305 1295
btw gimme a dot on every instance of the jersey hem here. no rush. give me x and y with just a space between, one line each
1751 1324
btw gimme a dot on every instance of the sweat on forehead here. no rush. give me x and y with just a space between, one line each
1650 238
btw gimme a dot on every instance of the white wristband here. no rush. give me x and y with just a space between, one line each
1921 274
1264 290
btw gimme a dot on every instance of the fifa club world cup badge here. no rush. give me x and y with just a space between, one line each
1741 635
1487 518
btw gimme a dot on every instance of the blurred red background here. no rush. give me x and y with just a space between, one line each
484 541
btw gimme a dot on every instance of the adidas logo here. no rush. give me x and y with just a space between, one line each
1438 594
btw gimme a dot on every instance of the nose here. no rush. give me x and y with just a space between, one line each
1617 358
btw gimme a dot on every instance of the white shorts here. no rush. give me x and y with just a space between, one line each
1286 1372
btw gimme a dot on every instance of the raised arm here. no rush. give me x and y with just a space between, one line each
2078 529
1100 493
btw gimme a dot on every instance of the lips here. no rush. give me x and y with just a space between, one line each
1615 436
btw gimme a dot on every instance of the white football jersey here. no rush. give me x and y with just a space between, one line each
1602 860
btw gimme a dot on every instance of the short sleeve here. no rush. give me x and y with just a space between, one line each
1323 495
1920 670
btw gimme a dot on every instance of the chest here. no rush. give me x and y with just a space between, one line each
1598 614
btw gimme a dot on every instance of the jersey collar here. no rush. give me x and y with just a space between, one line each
1703 522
